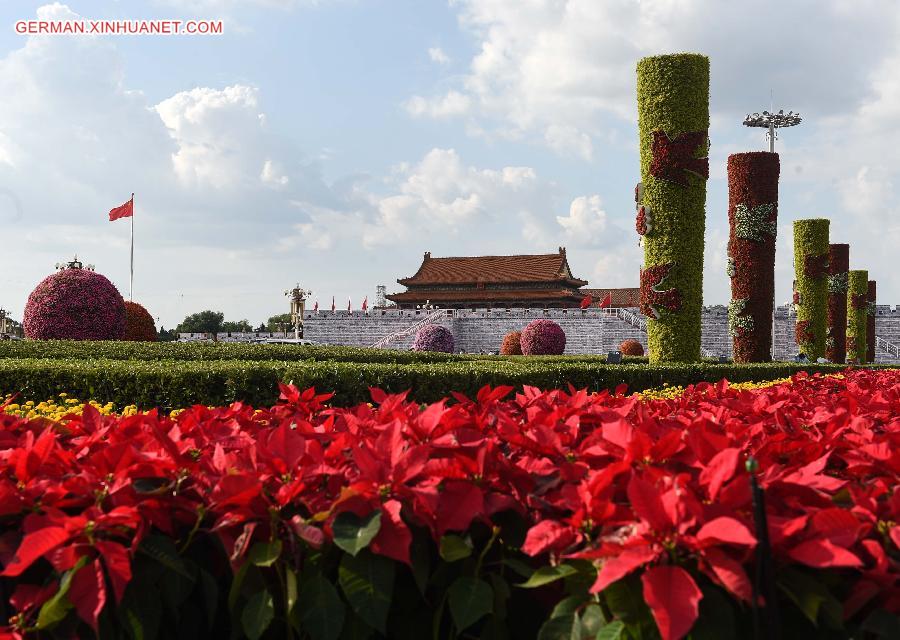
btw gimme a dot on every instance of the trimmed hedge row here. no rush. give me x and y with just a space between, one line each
673 119
205 351
174 384
811 268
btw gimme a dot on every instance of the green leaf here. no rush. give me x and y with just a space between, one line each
592 620
319 609
810 596
367 581
454 547
264 554
290 587
352 533
56 608
567 607
236 584
611 631
882 624
163 550
546 575
420 556
561 628
210 590
470 599
258 615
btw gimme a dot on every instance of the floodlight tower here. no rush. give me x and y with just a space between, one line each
298 306
772 121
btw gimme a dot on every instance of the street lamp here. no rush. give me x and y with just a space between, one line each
298 306
75 263
772 121
3 313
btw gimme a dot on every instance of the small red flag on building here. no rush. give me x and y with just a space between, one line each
606 301
332 304
587 301
316 307
365 304
348 304
122 211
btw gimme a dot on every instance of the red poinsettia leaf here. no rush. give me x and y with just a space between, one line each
118 565
895 535
619 566
88 592
726 530
838 525
673 598
394 537
648 505
720 470
33 546
30 596
729 573
548 535
823 554
458 504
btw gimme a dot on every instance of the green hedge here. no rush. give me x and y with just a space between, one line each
206 351
673 97
173 384
810 257
858 287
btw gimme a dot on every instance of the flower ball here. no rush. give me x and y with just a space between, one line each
75 304
543 338
631 348
139 325
512 344
433 337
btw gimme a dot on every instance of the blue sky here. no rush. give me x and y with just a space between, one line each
333 142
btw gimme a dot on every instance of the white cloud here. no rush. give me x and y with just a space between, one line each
446 106
586 222
437 55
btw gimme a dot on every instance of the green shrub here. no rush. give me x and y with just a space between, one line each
173 384
673 101
857 321
811 268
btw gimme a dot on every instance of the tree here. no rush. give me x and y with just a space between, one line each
280 322
167 335
202 322
241 326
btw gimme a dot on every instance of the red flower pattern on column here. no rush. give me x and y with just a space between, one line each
804 334
652 298
674 159
816 266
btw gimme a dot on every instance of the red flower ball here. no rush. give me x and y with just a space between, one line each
75 304
139 325
512 345
543 338
631 348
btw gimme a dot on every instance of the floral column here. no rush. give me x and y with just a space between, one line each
857 305
673 121
752 221
811 295
870 324
836 331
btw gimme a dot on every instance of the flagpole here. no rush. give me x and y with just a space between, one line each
131 281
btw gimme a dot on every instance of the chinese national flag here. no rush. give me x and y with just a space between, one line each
332 304
124 211
365 304
316 308
587 301
606 301
348 305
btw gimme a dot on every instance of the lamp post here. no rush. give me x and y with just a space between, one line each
298 306
772 121
3 313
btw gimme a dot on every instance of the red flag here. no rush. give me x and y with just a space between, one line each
332 304
348 305
606 301
124 211
365 304
587 301
316 307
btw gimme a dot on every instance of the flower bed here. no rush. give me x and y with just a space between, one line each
550 510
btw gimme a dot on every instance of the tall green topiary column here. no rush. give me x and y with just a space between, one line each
811 296
870 322
836 329
752 222
857 304
673 120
